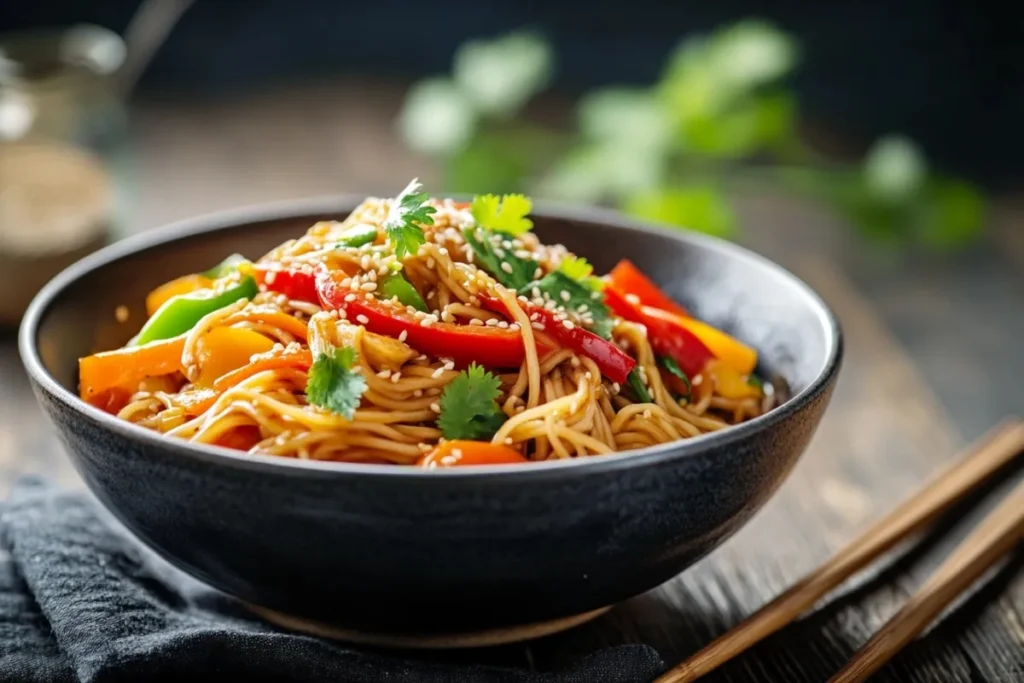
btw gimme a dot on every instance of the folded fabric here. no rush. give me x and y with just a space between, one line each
81 601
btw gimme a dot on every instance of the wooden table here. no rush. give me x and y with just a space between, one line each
933 360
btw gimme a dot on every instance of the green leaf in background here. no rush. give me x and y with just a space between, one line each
762 122
499 76
707 75
700 208
436 118
894 169
955 216
629 117
601 172
492 163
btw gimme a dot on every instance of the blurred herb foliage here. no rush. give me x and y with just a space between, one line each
719 120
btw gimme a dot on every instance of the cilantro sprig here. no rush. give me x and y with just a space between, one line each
333 384
491 255
637 386
574 296
579 269
505 214
469 405
407 213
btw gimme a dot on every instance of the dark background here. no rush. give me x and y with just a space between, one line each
951 75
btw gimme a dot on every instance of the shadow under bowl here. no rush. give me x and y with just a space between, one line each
445 557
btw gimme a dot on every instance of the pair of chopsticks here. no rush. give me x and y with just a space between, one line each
993 538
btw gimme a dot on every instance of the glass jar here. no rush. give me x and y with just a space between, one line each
62 139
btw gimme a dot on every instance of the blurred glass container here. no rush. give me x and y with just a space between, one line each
62 128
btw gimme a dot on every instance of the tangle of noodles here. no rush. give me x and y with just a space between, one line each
555 405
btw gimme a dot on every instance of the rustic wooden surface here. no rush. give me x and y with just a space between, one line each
933 360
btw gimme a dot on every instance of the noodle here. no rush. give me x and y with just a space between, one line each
560 402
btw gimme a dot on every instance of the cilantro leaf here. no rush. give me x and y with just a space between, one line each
576 267
333 384
637 386
492 255
504 214
558 286
672 367
469 405
408 211
580 270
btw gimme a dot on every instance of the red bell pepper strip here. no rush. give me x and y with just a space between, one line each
297 285
628 279
614 363
667 337
491 347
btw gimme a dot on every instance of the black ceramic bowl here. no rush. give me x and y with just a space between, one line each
409 556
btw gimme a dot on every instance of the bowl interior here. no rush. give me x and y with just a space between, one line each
747 296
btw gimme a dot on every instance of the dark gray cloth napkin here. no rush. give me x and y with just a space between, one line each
82 602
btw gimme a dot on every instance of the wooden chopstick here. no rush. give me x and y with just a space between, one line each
978 463
1000 531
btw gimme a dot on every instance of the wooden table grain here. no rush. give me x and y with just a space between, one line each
933 360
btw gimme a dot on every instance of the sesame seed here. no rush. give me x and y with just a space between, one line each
537 326
582 308
430 262
364 262
565 296
350 298
450 365
369 296
503 325
508 441
536 293
616 388
491 323
384 374
514 327
438 372
427 321
535 316
567 324
499 252
435 407
537 274
363 319
442 251
457 452
522 299
334 313
633 299
368 286
417 393
395 377
403 336
505 266
270 277
476 321
574 361
647 414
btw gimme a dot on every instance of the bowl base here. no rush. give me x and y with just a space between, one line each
427 641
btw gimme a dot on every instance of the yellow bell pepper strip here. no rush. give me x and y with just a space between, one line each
180 313
726 348
729 383
225 349
185 284
121 368
627 280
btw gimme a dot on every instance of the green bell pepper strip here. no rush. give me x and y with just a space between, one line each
179 314
394 285
357 236
636 384
226 266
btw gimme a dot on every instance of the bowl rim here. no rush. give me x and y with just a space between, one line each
216 221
